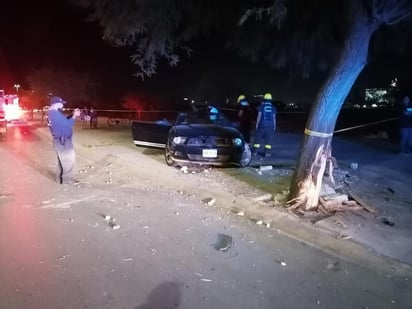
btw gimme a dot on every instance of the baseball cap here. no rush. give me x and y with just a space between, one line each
56 99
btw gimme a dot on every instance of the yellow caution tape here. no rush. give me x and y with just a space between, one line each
317 134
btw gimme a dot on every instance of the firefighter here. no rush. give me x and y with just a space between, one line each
244 117
213 114
265 127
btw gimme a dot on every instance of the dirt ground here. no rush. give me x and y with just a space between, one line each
381 182
60 249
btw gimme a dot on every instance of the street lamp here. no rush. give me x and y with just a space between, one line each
17 86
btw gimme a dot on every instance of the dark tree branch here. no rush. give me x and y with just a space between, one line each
391 12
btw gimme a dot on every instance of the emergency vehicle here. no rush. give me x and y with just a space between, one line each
9 110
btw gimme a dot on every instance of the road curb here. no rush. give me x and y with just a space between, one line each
320 238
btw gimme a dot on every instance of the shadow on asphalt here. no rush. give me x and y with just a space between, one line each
167 295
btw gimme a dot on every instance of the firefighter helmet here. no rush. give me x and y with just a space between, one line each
241 98
213 113
267 96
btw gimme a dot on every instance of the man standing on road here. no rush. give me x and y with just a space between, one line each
61 128
265 127
406 127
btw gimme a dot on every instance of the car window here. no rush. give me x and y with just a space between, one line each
202 116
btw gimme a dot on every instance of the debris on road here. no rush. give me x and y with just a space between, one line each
205 280
390 190
209 201
387 222
5 195
335 197
264 198
263 168
283 263
223 242
338 222
128 260
114 226
333 265
362 203
343 237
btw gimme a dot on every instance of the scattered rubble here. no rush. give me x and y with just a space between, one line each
114 226
223 242
209 201
362 203
263 168
263 198
387 222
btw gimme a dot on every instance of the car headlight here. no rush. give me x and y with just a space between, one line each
179 140
237 141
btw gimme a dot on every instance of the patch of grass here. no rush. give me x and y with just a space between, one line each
273 181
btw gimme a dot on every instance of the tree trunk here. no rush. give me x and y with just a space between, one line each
315 151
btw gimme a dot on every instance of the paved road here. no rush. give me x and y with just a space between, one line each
58 251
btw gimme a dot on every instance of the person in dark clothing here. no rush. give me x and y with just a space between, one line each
43 113
405 123
61 129
265 127
244 117
93 118
85 117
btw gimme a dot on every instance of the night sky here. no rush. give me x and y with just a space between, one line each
51 33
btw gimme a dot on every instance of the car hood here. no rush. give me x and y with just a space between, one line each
205 130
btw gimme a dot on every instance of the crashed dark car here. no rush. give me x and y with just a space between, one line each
196 137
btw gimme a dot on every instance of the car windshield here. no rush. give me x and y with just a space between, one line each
204 115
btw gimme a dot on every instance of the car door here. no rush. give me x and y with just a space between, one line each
151 134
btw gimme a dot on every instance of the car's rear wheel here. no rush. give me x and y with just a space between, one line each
168 157
246 156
